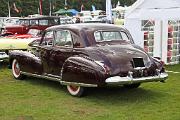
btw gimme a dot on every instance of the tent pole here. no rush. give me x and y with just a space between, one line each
161 37
9 9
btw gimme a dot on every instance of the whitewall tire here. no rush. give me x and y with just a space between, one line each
16 71
75 90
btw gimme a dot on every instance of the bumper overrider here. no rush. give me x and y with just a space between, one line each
117 80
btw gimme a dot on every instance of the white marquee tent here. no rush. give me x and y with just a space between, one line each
155 26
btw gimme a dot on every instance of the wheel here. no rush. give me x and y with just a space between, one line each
16 70
131 86
75 90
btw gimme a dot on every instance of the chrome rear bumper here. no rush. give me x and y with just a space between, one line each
117 80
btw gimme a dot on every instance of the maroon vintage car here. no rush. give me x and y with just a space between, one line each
24 24
88 55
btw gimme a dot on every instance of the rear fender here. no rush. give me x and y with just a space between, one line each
82 71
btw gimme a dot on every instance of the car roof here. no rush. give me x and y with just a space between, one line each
86 26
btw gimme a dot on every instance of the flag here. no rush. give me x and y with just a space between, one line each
40 7
109 11
65 2
15 8
82 7
93 8
118 4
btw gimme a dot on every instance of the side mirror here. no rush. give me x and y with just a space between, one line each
32 45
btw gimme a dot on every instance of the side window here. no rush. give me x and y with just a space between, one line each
33 22
124 36
43 22
24 22
63 38
53 22
48 39
76 41
98 36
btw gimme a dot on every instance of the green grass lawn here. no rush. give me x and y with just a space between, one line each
39 99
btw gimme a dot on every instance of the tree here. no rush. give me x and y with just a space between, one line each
28 7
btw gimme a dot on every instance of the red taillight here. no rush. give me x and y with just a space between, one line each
162 62
159 60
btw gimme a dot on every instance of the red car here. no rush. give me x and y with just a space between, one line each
25 24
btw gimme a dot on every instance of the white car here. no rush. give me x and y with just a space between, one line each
85 19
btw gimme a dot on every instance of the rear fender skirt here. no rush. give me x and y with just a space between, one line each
82 70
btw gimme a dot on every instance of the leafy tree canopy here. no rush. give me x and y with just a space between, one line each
29 7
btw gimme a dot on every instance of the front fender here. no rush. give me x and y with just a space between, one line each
83 70
28 62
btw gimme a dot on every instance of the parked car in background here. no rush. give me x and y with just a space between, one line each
97 12
85 13
88 55
66 20
24 24
11 21
85 19
7 21
19 41
100 18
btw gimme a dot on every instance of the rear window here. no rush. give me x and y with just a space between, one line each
101 36
43 22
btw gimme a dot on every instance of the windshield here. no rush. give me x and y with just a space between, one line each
23 22
34 32
101 36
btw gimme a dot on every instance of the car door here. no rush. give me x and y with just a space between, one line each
45 49
62 49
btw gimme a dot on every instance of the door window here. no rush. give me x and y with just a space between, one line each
48 39
63 38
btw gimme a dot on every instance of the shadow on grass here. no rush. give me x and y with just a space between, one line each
106 95
124 95
45 83
4 64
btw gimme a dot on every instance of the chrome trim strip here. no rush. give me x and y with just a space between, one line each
50 75
41 76
58 79
129 80
139 68
78 84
